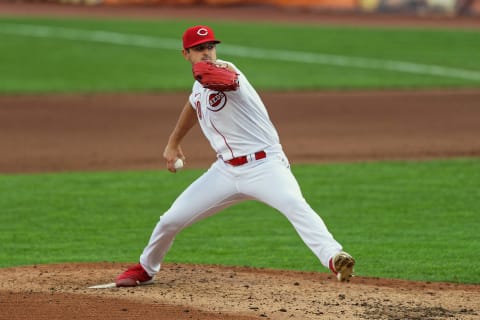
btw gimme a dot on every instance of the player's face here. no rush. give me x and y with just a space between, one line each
202 52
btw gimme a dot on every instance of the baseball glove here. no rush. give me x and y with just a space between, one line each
215 77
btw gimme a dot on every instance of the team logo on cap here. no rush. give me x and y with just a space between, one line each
202 32
217 101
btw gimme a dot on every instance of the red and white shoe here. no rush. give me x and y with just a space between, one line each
342 266
133 276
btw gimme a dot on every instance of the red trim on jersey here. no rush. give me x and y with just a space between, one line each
224 139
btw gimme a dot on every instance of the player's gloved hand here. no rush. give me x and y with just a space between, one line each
215 77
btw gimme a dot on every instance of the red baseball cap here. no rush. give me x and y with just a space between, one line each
196 35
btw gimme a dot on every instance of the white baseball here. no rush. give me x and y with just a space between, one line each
178 164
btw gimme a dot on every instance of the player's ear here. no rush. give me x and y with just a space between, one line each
185 53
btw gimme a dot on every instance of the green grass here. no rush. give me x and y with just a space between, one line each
36 64
409 220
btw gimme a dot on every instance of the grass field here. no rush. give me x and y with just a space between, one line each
111 55
411 220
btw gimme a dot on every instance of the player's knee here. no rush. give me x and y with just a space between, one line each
170 225
295 205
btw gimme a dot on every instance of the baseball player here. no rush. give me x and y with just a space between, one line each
250 163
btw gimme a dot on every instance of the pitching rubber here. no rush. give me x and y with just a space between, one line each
104 286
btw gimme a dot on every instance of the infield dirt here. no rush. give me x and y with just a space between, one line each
51 133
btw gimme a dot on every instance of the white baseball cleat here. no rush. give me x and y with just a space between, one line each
342 266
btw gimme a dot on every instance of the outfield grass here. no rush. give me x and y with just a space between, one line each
409 220
70 55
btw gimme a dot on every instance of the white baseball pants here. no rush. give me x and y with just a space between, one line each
268 180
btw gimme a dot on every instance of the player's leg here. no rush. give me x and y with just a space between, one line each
274 184
206 196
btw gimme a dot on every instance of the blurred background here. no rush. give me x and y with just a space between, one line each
417 7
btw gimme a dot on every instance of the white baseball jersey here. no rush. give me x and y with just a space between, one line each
235 122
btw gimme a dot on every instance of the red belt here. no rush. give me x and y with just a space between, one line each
238 161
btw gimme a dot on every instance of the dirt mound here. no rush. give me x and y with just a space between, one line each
215 292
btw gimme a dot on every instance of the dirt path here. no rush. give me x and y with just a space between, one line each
41 133
120 131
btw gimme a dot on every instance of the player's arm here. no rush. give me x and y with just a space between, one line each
173 150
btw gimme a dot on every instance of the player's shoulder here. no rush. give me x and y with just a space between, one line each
196 85
224 61
196 90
